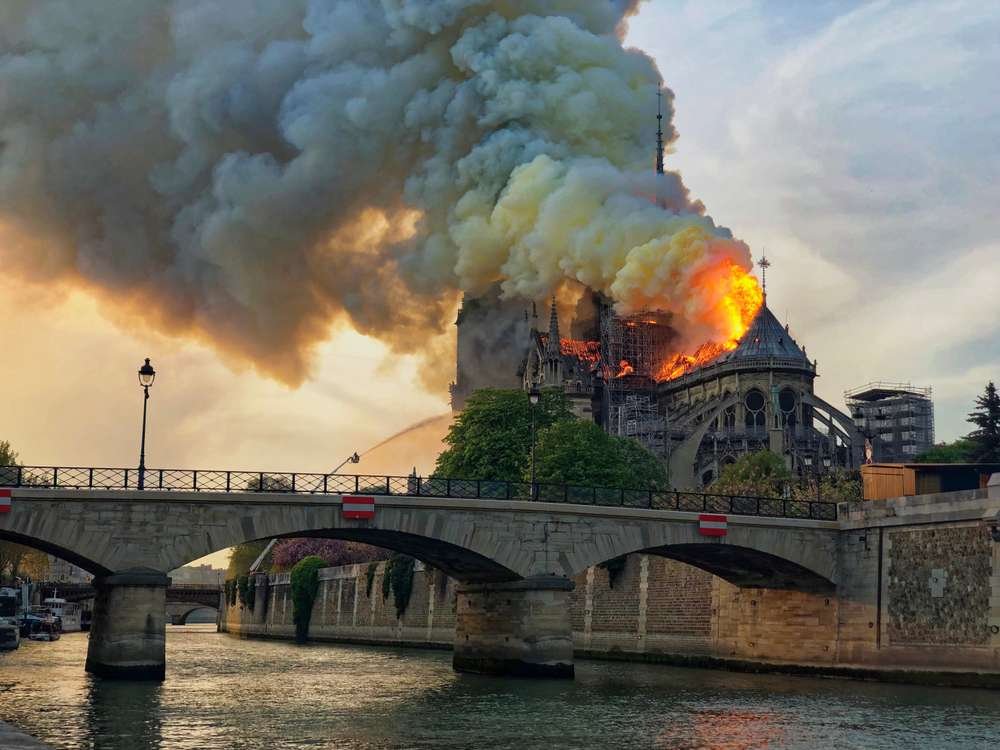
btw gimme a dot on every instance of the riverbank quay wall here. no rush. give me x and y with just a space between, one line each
917 599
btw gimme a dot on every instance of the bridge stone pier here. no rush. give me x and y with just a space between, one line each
127 634
515 560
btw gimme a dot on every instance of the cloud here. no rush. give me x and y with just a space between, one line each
857 143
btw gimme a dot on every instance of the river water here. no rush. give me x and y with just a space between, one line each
223 693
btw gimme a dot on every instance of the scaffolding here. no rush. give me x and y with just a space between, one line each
633 350
897 418
637 417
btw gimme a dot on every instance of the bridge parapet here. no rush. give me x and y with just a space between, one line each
241 482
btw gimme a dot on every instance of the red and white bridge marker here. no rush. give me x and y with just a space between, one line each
358 507
710 524
6 498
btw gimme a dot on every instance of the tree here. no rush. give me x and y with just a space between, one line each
958 452
242 556
762 473
8 456
986 418
491 438
288 552
578 452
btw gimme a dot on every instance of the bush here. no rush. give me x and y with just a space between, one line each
246 589
231 589
305 584
399 580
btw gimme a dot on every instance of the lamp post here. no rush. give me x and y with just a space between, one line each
534 396
146 377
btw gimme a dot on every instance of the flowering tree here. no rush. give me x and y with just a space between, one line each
288 552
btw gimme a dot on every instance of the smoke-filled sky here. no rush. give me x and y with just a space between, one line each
857 143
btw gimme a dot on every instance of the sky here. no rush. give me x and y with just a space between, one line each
857 143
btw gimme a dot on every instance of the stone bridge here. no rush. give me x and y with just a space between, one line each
182 599
515 558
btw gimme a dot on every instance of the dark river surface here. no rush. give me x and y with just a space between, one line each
222 692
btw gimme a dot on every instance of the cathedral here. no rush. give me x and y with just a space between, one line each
757 396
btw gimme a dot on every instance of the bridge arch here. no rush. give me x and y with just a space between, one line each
179 612
749 556
54 544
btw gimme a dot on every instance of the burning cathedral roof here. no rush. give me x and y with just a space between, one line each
766 337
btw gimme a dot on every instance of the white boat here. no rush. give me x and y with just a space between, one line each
70 613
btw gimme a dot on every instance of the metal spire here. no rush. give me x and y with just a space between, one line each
764 264
659 131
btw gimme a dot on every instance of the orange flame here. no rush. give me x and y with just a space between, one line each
734 298
624 368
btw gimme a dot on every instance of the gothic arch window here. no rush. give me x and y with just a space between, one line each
787 403
729 418
754 403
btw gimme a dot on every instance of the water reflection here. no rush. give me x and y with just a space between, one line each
222 692
122 714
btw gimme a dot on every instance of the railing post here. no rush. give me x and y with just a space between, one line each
357 484
293 482
229 481
260 482
90 479
159 483
55 477
194 479
677 500
479 489
447 488
420 486
388 488
325 478
126 480
18 480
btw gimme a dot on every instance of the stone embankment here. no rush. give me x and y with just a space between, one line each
917 599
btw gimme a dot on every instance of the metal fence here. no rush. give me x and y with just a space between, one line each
195 480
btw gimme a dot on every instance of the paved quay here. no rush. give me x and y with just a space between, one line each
14 739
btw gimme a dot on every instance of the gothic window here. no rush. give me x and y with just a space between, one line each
787 402
729 418
754 404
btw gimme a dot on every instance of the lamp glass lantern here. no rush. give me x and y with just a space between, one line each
534 395
146 374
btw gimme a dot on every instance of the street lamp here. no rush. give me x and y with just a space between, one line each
534 396
146 377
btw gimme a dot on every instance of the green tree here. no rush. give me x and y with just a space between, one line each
305 584
762 473
578 452
958 452
986 418
8 456
491 438
242 556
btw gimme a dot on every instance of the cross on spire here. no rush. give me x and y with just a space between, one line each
764 264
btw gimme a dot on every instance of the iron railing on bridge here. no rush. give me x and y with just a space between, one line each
196 480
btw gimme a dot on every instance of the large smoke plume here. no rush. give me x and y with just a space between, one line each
251 173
